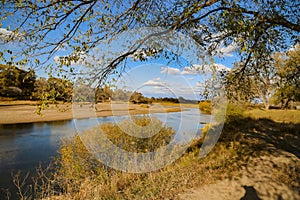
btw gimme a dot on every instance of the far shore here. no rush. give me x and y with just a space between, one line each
14 112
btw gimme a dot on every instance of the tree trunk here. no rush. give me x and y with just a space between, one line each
267 106
266 102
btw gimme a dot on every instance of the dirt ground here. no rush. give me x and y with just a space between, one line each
269 168
256 182
12 112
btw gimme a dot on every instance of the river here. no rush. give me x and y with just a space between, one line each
25 146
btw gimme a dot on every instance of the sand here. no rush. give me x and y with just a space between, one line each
12 112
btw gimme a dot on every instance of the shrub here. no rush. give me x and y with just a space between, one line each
205 107
77 161
142 127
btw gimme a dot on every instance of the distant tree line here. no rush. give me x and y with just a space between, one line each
174 100
106 94
16 83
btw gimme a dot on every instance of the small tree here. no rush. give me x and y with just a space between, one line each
60 89
103 94
53 89
288 72
263 80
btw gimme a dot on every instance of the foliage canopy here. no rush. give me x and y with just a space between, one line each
256 28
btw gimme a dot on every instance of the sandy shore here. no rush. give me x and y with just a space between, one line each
26 111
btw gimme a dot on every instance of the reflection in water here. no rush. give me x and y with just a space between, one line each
25 146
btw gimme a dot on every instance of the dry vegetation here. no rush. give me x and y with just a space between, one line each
276 115
205 107
183 105
245 143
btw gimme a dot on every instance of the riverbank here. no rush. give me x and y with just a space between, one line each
13 112
265 158
254 158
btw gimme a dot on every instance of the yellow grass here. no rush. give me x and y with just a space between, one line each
183 105
292 116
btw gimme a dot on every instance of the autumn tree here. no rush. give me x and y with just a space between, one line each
238 88
288 74
121 95
103 94
254 27
274 79
258 81
53 90
40 88
263 84
137 97
60 88
83 92
16 82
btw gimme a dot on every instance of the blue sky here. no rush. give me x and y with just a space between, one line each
160 80
155 77
162 77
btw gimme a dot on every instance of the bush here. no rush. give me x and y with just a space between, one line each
159 134
76 160
234 112
205 107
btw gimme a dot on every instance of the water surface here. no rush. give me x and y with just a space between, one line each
25 146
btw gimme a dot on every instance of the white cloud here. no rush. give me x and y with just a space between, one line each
199 87
154 82
203 69
222 49
193 70
171 88
220 67
157 87
184 90
227 51
6 34
169 70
